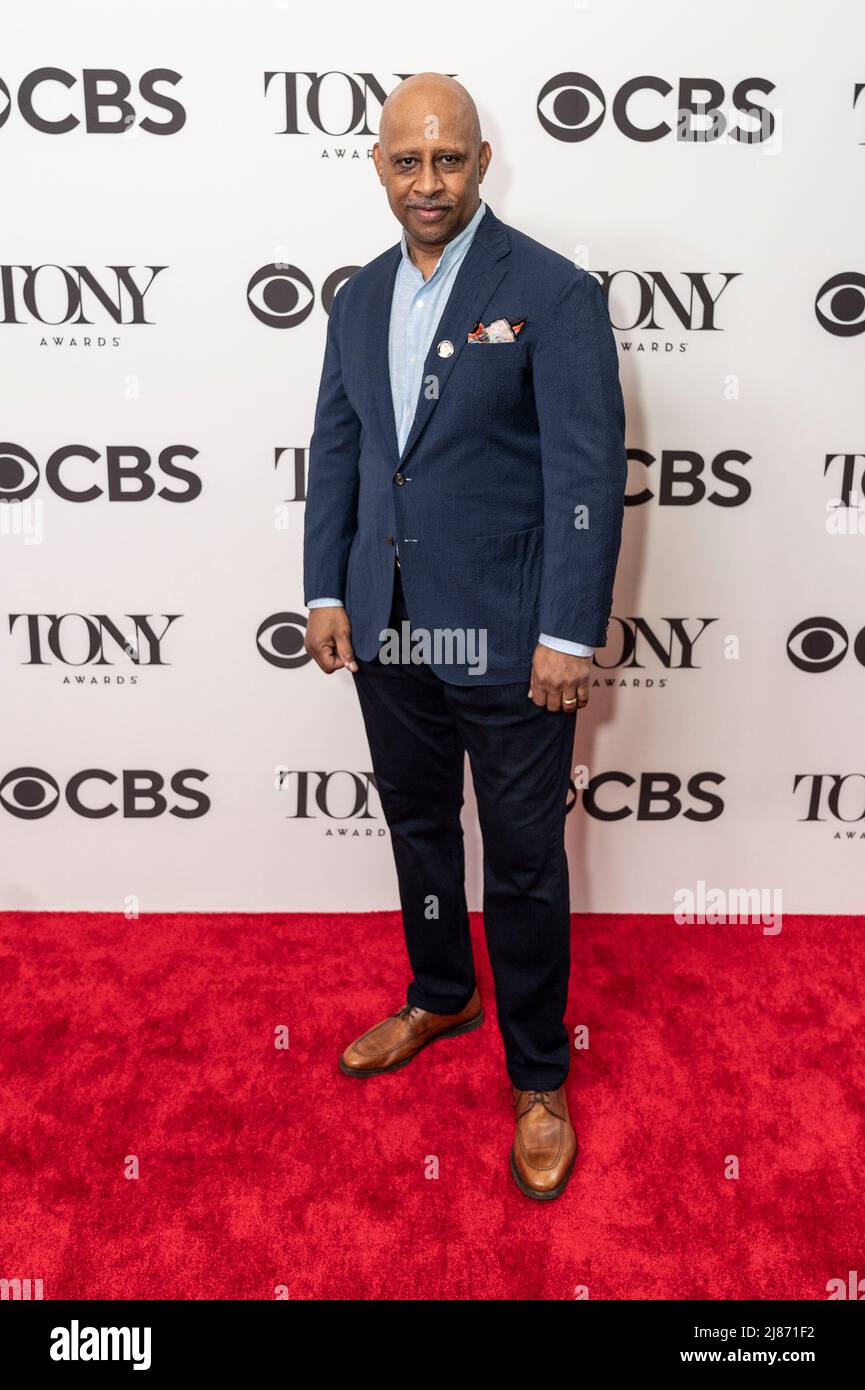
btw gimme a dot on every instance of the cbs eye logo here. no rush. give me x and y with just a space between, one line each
282 296
840 304
29 793
576 109
821 644
19 473
280 640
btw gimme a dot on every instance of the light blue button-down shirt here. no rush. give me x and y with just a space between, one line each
416 309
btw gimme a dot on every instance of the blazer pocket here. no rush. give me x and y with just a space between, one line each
499 354
508 573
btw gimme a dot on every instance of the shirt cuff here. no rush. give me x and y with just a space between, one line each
559 644
325 603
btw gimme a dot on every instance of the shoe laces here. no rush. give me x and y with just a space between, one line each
535 1098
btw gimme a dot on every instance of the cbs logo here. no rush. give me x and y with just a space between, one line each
283 296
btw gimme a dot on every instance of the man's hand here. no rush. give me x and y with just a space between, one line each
328 639
560 681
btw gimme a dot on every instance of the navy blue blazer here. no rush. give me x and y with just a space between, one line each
507 500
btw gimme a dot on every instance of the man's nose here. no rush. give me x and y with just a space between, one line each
428 182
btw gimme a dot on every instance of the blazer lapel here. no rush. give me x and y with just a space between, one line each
378 318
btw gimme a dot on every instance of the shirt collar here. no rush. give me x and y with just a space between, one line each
453 248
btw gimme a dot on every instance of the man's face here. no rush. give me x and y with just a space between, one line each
430 168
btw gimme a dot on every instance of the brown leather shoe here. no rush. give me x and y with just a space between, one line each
393 1043
545 1145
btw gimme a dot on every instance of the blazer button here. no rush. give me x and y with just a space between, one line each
399 479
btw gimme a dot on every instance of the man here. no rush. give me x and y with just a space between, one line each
466 483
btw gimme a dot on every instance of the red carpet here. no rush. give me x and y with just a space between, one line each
261 1168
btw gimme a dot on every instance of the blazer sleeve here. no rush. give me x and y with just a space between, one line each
330 518
581 415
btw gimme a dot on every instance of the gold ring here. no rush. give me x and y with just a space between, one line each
569 702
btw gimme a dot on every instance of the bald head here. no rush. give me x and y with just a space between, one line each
431 159
430 94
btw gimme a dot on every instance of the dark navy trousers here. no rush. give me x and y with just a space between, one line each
419 729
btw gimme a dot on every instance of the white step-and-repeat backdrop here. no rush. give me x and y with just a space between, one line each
184 187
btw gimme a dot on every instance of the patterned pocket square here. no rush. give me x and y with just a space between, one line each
501 331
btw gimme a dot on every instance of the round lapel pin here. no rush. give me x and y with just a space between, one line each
445 348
